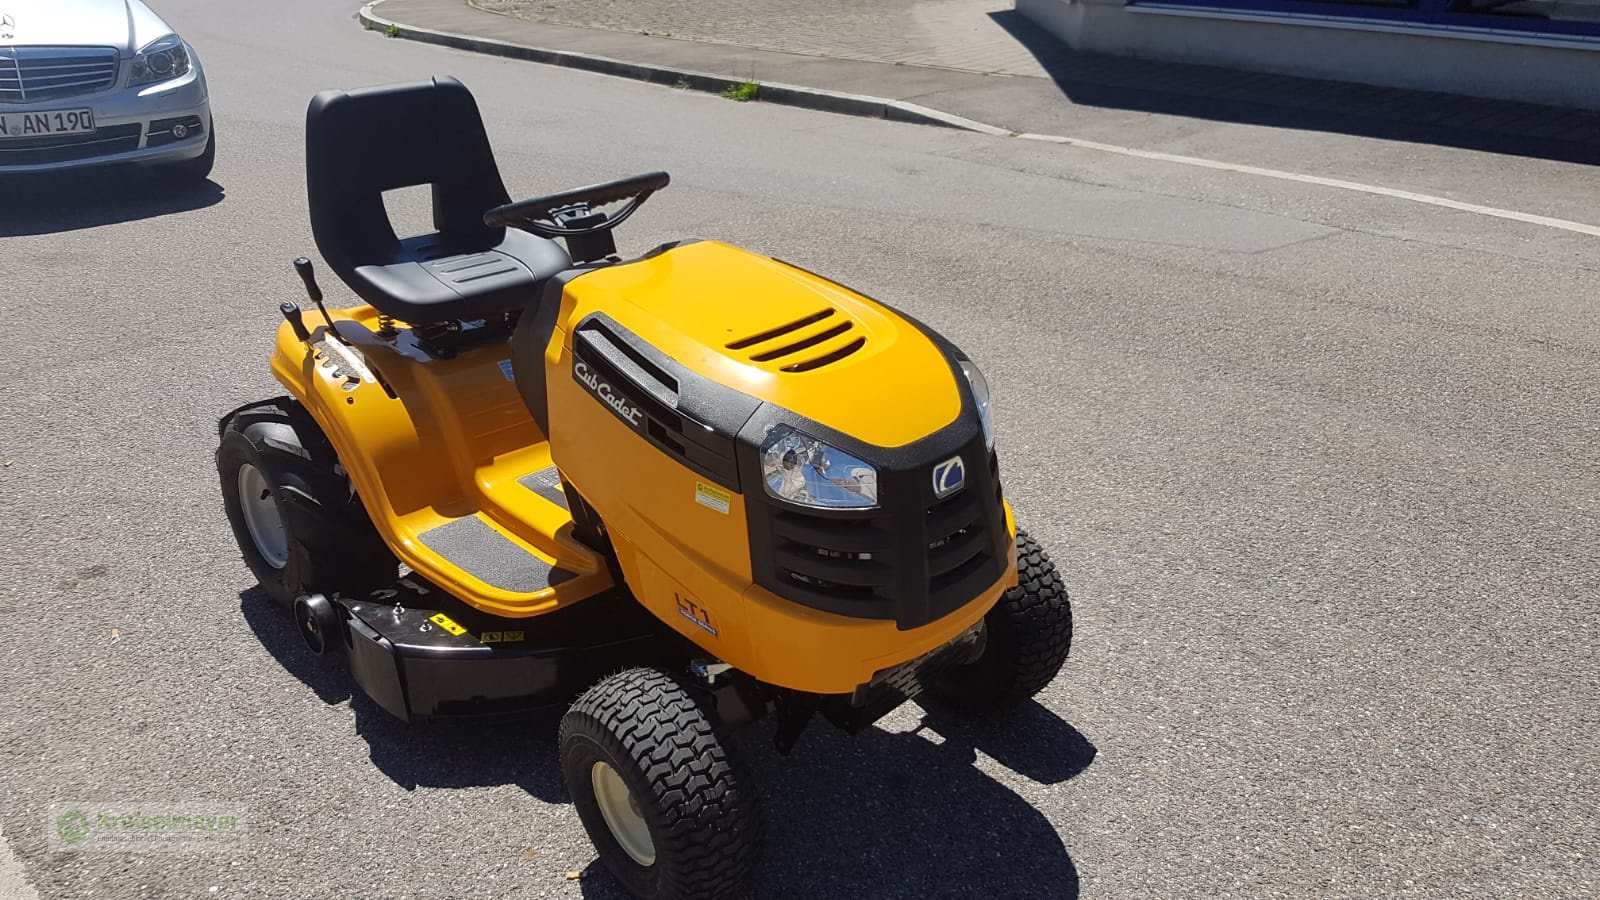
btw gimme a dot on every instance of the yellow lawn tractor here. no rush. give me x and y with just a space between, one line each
693 489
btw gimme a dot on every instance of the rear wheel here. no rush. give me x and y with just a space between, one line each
299 526
1026 638
669 811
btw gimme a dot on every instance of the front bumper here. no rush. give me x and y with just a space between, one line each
895 685
132 125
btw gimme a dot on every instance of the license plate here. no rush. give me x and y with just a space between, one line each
42 124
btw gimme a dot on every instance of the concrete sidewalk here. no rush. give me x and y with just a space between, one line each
977 60
946 34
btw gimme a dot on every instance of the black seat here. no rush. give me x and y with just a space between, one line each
364 142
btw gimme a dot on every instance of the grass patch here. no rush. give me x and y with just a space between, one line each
392 31
742 92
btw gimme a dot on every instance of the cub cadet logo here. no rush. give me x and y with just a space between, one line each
602 389
948 477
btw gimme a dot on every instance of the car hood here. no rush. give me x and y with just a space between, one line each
124 24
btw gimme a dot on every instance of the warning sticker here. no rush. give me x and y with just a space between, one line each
715 498
503 637
447 623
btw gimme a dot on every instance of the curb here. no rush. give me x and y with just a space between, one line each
782 94
900 111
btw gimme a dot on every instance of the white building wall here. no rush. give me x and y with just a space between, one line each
1484 63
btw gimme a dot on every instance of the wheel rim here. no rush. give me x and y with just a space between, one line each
262 518
622 814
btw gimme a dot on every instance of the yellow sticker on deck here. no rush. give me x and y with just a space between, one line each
447 623
712 498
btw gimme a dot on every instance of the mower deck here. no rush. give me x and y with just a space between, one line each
420 653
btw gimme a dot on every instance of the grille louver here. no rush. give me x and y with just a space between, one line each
913 562
65 148
806 344
31 74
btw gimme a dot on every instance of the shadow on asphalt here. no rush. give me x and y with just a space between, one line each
329 681
518 749
879 814
54 202
890 814
1227 95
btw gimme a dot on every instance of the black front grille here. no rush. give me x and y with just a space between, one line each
912 562
66 148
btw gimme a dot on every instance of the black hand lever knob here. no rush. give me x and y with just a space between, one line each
309 276
296 323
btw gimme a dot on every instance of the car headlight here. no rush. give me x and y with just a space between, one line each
161 60
803 470
980 392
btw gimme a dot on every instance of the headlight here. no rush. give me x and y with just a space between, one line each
980 392
161 60
804 470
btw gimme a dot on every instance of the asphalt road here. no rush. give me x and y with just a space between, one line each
1319 467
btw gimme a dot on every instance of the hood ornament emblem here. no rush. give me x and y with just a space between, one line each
948 477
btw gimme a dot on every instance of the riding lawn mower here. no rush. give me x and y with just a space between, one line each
692 489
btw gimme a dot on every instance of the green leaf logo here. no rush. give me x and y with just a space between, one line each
73 826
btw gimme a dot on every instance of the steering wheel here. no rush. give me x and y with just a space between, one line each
572 214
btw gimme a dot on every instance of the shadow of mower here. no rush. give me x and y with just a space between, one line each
512 749
879 814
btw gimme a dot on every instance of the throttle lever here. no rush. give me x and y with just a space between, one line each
303 268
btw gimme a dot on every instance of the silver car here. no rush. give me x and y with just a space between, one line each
96 82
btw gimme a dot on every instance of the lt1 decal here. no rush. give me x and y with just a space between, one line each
695 613
608 395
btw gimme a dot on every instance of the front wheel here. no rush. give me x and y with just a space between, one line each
669 811
1026 638
198 169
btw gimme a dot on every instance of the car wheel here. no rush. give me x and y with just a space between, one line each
199 168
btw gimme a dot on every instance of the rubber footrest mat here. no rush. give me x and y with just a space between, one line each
489 556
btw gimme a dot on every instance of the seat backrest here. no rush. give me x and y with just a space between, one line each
362 143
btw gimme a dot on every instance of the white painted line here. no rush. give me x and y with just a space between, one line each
949 119
13 886
929 116
1414 197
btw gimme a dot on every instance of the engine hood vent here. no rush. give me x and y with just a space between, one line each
781 335
805 344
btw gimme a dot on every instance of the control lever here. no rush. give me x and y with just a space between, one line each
297 324
307 274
